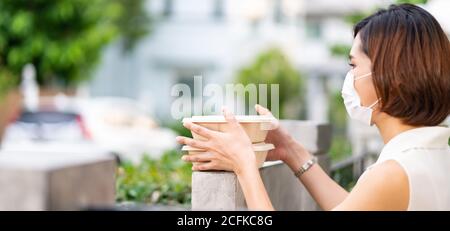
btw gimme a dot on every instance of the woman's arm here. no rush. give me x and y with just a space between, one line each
254 191
325 191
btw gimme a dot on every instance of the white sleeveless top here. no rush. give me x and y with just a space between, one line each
424 154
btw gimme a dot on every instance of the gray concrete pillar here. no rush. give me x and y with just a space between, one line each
56 181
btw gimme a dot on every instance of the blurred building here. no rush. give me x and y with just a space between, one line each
214 38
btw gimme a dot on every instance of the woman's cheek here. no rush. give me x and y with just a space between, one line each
365 92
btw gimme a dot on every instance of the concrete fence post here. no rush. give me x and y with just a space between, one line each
56 181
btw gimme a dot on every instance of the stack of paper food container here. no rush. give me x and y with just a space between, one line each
256 127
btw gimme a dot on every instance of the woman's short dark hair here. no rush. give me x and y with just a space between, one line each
410 56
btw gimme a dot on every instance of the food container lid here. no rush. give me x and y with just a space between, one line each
258 147
239 118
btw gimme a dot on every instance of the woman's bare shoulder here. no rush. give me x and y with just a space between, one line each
384 187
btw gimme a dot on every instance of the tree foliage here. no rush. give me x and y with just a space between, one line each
273 67
63 38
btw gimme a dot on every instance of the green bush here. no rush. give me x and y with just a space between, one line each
273 67
64 38
163 181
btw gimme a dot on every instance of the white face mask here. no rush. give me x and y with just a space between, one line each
352 101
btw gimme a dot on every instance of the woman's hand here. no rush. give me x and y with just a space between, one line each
231 151
277 136
286 148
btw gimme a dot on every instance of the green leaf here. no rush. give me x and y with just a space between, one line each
21 24
166 180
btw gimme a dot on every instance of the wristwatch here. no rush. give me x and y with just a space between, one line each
305 167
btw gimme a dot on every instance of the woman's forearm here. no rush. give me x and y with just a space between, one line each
325 191
254 191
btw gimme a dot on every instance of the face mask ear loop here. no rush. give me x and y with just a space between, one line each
375 103
363 76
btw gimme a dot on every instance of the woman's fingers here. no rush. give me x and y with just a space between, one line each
200 157
208 134
266 112
193 143
207 161
230 118
212 165
201 166
262 110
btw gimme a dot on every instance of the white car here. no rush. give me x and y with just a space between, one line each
123 126
116 125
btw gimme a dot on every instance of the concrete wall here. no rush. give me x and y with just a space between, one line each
56 181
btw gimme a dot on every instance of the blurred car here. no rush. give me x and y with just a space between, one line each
56 126
115 125
125 127
48 126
